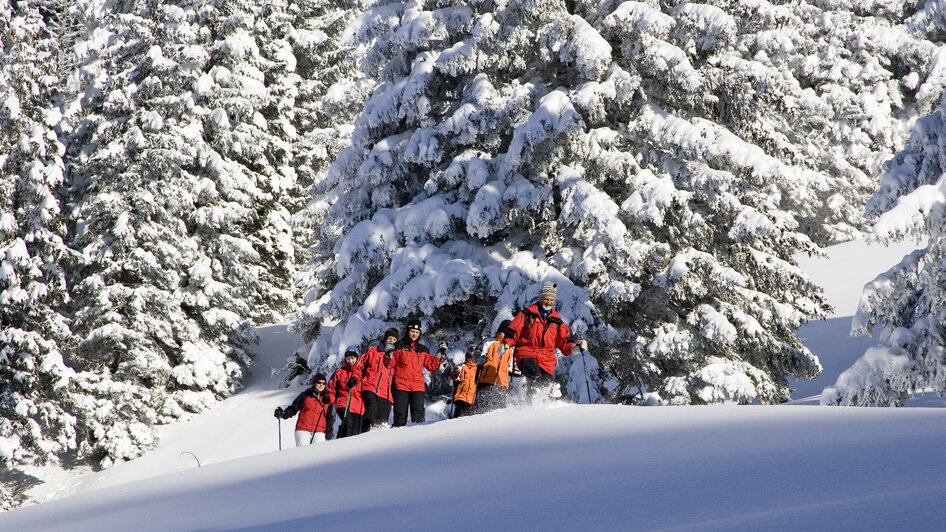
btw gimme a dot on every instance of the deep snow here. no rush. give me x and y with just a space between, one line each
548 467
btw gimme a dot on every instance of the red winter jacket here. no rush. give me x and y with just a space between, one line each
409 360
338 390
537 337
376 373
312 410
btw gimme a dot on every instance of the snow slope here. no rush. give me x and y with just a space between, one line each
549 467
576 467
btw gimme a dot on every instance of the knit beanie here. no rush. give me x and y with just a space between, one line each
548 289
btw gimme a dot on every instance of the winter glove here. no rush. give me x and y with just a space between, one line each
278 412
352 382
455 374
583 344
388 350
324 397
443 348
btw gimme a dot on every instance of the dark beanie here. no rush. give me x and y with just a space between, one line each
413 323
391 332
351 352
318 377
505 329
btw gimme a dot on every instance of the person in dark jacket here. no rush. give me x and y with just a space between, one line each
410 359
539 331
314 409
377 371
344 390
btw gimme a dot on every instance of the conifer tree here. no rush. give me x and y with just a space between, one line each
662 161
161 326
247 84
36 425
331 95
906 303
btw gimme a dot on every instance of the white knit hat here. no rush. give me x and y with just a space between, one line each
548 289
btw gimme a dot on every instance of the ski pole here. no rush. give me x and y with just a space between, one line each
347 404
279 428
584 370
321 415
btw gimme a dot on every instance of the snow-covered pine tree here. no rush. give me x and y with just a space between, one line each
511 143
35 423
247 86
331 95
161 328
664 160
828 88
757 140
906 303
363 238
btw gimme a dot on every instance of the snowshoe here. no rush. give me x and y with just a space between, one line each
555 391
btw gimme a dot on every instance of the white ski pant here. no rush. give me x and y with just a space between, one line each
305 438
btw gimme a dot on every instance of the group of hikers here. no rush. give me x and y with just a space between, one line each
363 391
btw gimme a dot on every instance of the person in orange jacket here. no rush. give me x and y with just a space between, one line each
410 359
344 390
377 372
465 379
493 382
314 408
539 331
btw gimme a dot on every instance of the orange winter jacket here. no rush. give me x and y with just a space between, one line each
498 362
466 383
538 337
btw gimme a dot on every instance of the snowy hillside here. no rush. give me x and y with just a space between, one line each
551 467
566 468
173 174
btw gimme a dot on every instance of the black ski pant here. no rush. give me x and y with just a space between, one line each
461 408
349 424
536 377
377 410
404 401
490 397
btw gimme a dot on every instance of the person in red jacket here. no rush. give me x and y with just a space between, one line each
345 392
314 409
410 359
539 331
377 371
